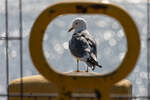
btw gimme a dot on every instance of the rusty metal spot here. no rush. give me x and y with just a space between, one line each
51 11
98 94
43 31
68 93
98 6
74 78
81 9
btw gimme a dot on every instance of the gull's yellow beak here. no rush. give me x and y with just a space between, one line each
70 29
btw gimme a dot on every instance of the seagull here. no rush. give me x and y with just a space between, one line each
82 45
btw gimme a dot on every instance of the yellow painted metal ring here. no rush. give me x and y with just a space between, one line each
84 7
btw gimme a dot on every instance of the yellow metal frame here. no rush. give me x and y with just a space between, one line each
67 83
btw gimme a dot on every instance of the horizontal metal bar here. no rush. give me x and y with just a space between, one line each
29 95
130 97
74 95
10 38
83 95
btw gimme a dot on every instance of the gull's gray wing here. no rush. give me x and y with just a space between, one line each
91 42
92 59
79 46
83 45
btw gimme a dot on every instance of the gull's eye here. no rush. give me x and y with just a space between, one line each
76 23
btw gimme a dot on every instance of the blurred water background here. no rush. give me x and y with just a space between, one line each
107 32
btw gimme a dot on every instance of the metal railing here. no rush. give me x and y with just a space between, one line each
148 45
75 96
51 96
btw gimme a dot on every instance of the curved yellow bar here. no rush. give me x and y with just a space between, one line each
94 81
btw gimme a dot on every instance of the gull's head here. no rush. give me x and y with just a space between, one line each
78 24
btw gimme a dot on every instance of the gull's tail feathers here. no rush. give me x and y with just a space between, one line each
92 63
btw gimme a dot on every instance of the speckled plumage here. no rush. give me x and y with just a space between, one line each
83 46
